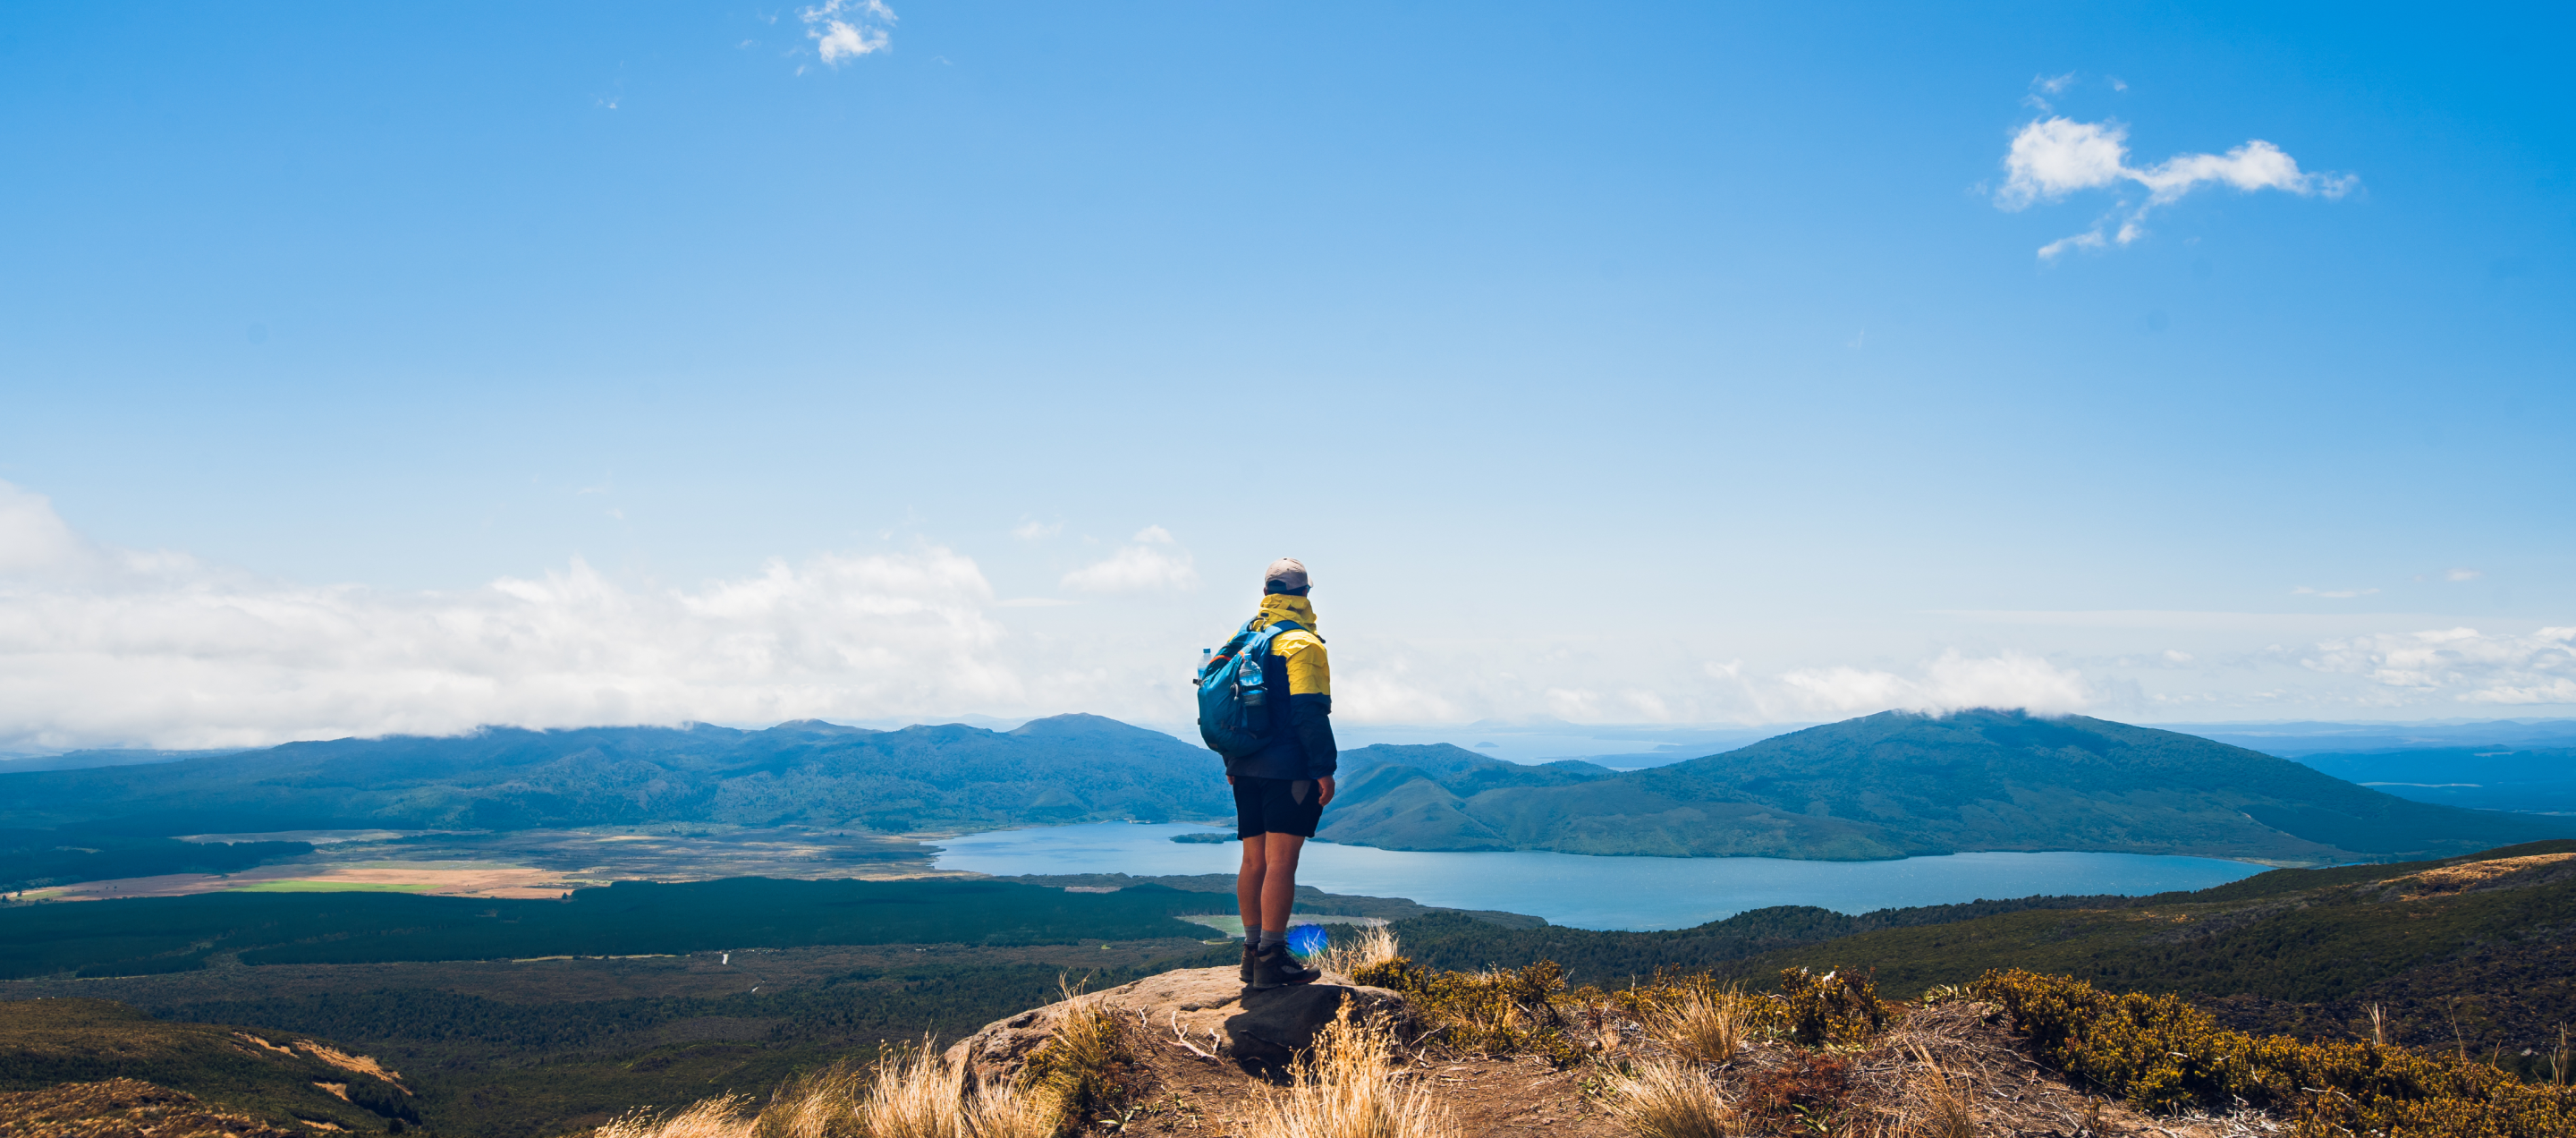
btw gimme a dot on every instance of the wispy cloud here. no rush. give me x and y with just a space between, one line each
2331 594
1036 530
2053 158
847 29
2462 575
2046 87
1153 562
2470 666
1947 683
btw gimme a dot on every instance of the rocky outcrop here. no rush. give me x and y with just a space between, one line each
1206 1011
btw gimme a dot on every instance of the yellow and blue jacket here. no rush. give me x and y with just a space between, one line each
1302 745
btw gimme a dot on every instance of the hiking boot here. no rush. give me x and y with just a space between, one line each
1272 967
1249 955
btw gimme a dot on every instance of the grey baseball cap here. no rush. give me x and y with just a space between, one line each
1287 571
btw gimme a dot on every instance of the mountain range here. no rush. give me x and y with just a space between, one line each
1068 768
1900 784
1884 786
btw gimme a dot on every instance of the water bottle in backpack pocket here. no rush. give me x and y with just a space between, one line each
1235 700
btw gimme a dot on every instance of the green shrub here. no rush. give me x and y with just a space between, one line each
1840 1006
1495 1011
2162 1054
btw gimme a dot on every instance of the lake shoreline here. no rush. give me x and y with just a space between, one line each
1622 892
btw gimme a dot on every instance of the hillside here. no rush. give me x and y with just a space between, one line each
280 1080
1900 784
1069 768
2470 949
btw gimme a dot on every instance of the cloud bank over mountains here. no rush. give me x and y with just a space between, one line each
101 646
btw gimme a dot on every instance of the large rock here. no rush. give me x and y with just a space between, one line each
1204 1010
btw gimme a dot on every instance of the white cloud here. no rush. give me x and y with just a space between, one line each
1154 562
848 29
100 646
2331 594
1947 683
1036 531
2462 575
2470 666
2055 157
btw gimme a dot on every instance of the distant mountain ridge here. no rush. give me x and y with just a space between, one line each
1901 784
1884 786
1067 768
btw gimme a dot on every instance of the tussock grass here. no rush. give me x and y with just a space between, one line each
726 1116
1938 1108
1702 1024
1666 1099
1349 1088
1367 948
912 1093
817 1104
1007 1110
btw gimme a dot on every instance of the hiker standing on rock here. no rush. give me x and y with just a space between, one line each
1265 704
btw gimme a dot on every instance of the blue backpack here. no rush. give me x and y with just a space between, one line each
1236 708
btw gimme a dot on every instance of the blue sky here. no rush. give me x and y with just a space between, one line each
406 367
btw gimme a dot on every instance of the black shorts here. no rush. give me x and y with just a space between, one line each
1276 806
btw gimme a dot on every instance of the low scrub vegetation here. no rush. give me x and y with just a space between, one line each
1494 1011
2162 1054
1085 1066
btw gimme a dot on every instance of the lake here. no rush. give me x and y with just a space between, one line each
1599 892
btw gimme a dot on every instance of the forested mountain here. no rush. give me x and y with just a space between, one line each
1069 768
1901 784
1889 785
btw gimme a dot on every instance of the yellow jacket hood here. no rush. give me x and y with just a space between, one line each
1277 607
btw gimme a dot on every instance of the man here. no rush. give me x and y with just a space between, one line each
1280 790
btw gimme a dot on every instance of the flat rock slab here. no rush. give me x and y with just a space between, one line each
1204 1010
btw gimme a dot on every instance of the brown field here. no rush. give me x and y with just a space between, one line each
536 864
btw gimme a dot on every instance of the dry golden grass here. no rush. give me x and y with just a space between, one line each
1349 1088
1663 1099
1701 1025
818 1104
912 1093
725 1116
1375 944
1008 1111
1938 1108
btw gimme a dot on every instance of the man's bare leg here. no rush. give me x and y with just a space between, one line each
1248 882
1278 879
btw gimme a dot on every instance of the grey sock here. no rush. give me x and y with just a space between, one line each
1251 937
1270 937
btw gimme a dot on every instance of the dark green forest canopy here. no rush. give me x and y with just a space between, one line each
32 859
1901 784
166 934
